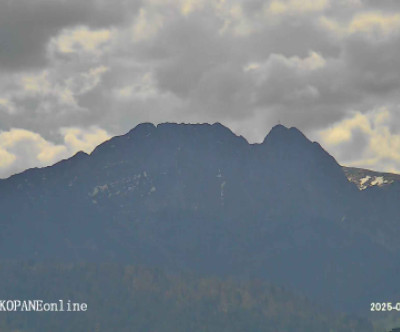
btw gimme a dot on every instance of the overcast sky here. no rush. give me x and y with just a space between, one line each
73 73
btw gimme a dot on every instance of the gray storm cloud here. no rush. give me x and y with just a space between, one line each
74 73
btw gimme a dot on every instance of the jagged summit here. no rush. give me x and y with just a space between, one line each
279 127
280 133
142 129
169 134
285 135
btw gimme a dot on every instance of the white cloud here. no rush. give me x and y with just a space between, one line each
373 25
36 83
277 64
21 148
42 85
6 159
342 131
53 89
382 147
80 40
77 139
314 61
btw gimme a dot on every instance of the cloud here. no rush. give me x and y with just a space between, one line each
312 62
21 149
80 40
53 92
374 25
7 106
6 160
379 148
278 7
143 87
293 83
77 139
373 22
86 81
343 131
27 26
245 63
147 24
28 148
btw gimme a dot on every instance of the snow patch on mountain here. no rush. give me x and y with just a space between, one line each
364 178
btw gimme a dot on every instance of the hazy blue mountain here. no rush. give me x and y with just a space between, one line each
198 197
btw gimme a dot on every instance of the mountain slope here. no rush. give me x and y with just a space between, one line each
134 298
365 178
198 197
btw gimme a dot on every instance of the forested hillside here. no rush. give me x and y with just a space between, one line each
131 298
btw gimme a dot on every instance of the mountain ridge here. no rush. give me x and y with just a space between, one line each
349 171
199 197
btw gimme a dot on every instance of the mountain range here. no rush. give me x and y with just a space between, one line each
186 197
